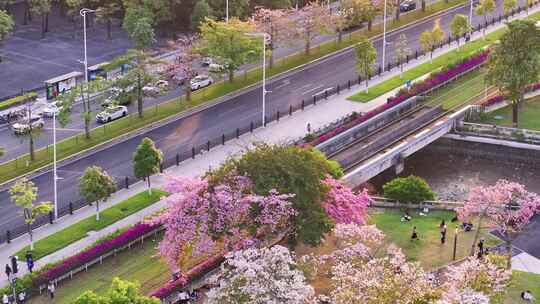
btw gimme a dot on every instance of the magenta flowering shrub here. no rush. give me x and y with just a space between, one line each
418 88
343 205
94 252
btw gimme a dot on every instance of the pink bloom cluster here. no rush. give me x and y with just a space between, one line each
433 81
509 205
200 215
343 205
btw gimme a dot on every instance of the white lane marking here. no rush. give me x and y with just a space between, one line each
285 83
313 89
64 129
322 92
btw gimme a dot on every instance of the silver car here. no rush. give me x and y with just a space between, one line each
24 126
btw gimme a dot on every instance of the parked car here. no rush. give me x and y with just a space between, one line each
151 90
216 68
112 113
24 126
52 109
407 5
201 81
179 79
163 84
206 61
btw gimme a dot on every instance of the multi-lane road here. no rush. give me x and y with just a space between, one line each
182 134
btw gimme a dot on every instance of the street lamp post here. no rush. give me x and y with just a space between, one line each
83 13
55 176
227 11
384 37
264 36
455 245
471 15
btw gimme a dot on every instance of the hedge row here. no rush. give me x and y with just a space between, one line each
18 100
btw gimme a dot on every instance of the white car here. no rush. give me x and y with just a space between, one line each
52 109
24 126
216 68
201 81
111 114
151 90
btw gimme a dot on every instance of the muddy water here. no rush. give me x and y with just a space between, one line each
451 176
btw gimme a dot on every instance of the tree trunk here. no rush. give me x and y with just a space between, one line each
308 46
515 112
423 5
86 115
188 89
97 210
231 75
47 23
400 69
139 96
26 12
367 84
369 25
149 186
109 29
271 61
476 234
31 146
508 251
398 10
340 36
31 235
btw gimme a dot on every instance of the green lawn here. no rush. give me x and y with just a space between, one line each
428 250
529 115
138 264
425 68
522 281
70 146
73 233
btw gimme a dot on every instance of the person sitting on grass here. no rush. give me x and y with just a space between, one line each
414 235
527 296
406 217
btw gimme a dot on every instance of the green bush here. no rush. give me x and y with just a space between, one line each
288 169
17 100
411 189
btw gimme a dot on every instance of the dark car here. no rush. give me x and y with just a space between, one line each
407 5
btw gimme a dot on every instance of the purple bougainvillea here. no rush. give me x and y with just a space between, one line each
418 88
94 252
500 98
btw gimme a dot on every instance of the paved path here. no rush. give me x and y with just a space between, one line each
286 130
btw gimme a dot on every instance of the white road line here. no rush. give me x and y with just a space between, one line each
285 83
322 92
64 129
313 89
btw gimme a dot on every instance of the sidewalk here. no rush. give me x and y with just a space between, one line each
289 128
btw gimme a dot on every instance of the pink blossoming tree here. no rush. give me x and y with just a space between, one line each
199 217
508 205
343 205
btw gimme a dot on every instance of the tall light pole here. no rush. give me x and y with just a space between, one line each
264 36
384 37
227 11
55 176
471 15
83 13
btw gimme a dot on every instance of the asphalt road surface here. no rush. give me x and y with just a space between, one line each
181 135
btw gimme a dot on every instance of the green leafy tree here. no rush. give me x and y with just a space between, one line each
201 11
30 131
24 194
360 11
5 5
431 39
72 10
147 160
366 55
312 21
411 189
139 24
42 8
96 185
485 8
120 292
514 62
288 169
229 43
6 27
402 51
509 5
237 8
460 26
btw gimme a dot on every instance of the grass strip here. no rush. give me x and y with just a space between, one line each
528 115
17 100
449 58
72 145
79 230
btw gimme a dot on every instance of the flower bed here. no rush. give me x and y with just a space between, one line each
433 81
193 274
500 98
94 252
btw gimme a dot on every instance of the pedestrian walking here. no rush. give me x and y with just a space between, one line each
442 228
480 249
29 261
309 128
414 235
5 299
8 272
51 290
